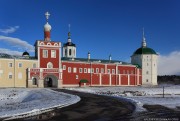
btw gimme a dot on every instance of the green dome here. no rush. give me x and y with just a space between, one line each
144 50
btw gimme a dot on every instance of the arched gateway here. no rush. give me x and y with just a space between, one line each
51 81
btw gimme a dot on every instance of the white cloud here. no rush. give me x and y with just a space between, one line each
9 30
169 64
10 52
18 43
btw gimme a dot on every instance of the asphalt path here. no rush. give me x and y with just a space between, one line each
91 107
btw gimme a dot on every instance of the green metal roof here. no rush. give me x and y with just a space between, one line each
93 60
145 50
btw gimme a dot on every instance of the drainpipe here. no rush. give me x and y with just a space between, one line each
14 71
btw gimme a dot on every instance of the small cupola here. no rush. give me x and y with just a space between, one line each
25 54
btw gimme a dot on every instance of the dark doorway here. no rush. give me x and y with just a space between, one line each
50 81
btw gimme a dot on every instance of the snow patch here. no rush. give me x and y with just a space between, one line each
21 102
140 95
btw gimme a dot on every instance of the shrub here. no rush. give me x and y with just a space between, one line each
83 81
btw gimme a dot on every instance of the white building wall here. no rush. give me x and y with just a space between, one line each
73 52
148 62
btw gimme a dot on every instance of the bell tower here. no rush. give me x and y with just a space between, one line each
69 48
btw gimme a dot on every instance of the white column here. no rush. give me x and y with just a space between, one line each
110 79
119 79
138 76
128 80
100 79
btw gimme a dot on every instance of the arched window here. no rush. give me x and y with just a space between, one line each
70 52
34 81
65 52
49 65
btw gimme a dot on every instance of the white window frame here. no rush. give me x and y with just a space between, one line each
53 53
92 70
109 71
85 70
20 65
64 67
49 65
113 71
74 70
69 69
10 76
45 53
77 77
102 70
10 64
97 70
80 70
89 70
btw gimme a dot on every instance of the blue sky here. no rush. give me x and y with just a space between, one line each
102 27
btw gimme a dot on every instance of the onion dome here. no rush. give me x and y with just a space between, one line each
47 27
25 54
145 50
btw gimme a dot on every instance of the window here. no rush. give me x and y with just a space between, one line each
10 65
109 71
34 81
69 69
85 70
80 70
89 70
70 52
34 65
102 70
97 70
147 72
19 75
77 77
45 53
10 75
147 64
147 80
64 67
65 52
19 65
74 70
113 71
49 65
92 70
53 53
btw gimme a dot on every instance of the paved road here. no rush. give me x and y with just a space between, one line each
102 108
90 108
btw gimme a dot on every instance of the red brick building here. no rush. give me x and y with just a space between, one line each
56 71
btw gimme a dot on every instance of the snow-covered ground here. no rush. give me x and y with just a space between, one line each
140 95
21 102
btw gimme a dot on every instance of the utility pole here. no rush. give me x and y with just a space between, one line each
163 91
